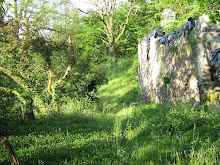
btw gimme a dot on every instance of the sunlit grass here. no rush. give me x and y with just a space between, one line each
84 132
138 134
74 138
123 85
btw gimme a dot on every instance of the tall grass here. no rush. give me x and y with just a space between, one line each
160 135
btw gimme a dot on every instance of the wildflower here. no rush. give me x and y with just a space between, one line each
40 162
60 130
178 138
196 104
121 152
185 153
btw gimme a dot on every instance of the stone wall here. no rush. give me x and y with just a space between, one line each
182 57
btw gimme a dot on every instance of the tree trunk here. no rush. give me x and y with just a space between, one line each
2 13
106 11
52 86
112 50
51 90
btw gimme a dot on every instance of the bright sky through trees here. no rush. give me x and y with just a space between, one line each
86 4
82 4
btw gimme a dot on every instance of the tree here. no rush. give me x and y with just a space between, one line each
36 57
111 30
46 49
188 8
146 19
2 12
22 65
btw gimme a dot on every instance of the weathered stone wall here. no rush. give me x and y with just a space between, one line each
183 55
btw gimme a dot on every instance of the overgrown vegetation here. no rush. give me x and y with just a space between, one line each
173 48
85 133
70 94
166 79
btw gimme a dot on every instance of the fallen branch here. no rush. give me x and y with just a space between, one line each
8 146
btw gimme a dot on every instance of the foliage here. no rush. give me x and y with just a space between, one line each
166 79
123 86
188 8
112 24
34 65
212 97
52 58
143 22
215 15
173 48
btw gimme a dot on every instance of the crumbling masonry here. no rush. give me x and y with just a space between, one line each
183 56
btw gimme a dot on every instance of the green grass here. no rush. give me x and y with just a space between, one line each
90 133
141 134
123 84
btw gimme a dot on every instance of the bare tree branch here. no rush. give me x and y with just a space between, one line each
15 78
123 26
8 146
112 30
7 90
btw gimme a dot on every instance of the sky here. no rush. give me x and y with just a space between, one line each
82 4
86 4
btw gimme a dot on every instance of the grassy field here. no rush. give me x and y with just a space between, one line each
90 133
141 134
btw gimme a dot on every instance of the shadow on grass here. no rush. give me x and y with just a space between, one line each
61 137
140 134
158 135
50 124
90 152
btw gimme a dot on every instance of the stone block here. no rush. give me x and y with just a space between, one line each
157 33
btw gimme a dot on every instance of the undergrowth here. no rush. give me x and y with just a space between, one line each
138 134
86 132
